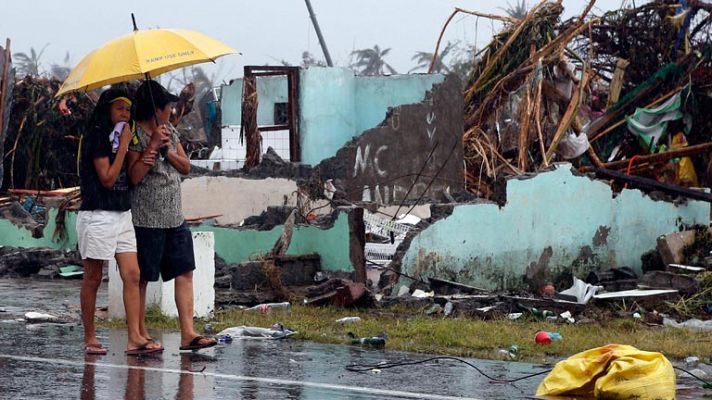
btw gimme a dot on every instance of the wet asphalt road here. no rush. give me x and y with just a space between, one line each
45 361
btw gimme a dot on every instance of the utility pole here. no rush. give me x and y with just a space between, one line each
318 34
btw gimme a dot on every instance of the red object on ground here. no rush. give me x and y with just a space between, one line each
542 338
547 290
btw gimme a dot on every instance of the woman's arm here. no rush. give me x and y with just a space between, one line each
179 160
107 172
141 162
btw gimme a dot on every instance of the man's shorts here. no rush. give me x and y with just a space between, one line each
164 251
102 234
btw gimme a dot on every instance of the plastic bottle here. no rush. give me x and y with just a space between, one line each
448 308
267 307
348 320
509 354
542 313
369 341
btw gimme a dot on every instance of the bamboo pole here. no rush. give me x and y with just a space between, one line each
447 22
656 158
3 87
567 118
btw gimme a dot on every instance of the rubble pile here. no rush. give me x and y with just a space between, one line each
36 126
623 91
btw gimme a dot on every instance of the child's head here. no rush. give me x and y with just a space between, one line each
113 106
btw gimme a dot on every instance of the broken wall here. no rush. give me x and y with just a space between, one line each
270 90
334 104
234 198
415 152
553 223
337 244
16 235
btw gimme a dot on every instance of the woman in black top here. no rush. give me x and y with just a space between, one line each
104 222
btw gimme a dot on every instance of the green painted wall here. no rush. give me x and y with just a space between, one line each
581 222
17 236
333 244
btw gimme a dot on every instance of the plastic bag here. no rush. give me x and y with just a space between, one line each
613 372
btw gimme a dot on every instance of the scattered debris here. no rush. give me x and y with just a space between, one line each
276 331
33 317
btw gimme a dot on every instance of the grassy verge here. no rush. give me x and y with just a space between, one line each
459 336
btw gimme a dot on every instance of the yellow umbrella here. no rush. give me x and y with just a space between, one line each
142 54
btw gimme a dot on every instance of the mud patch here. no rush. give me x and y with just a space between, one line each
537 270
601 236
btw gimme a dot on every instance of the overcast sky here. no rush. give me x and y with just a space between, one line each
265 31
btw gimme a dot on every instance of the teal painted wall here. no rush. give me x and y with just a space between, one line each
491 247
334 104
327 112
270 90
375 94
333 244
233 245
17 236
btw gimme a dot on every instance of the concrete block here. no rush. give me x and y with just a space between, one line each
162 293
670 246
685 284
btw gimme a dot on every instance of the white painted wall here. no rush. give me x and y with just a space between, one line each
162 293
235 198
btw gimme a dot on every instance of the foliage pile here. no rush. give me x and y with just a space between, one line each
542 83
41 145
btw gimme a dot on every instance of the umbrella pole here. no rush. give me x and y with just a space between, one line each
163 151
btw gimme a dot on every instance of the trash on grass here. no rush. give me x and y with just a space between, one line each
264 308
369 341
694 324
581 291
543 337
612 371
348 320
276 331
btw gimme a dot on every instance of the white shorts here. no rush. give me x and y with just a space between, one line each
102 234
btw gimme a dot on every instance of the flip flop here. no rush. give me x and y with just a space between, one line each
154 341
141 350
94 349
195 343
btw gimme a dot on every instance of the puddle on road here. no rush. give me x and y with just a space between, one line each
49 356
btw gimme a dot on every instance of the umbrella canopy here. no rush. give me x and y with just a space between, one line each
142 53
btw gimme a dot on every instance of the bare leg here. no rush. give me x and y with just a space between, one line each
184 304
130 275
87 296
142 316
142 312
